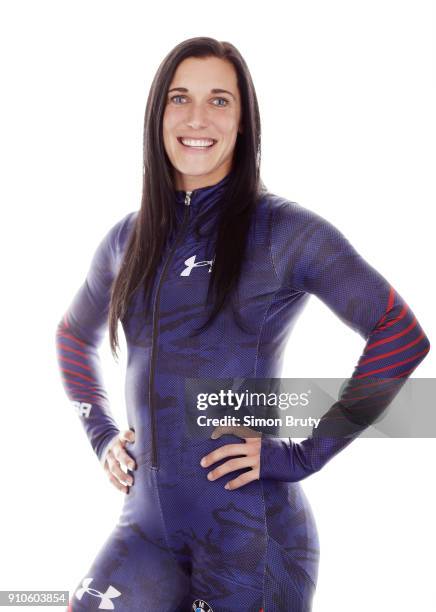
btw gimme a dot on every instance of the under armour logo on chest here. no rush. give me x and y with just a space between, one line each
190 263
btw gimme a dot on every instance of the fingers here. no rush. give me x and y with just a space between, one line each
117 458
120 454
128 435
242 480
231 466
115 469
124 459
251 458
251 448
114 480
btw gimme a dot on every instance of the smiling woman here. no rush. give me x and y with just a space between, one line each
188 538
202 122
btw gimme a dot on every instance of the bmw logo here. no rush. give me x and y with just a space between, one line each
199 605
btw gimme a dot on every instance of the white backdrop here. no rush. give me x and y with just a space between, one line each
347 92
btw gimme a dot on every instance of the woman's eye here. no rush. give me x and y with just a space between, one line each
178 96
225 100
174 98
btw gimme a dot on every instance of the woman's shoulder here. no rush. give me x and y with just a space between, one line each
115 240
286 212
297 227
123 229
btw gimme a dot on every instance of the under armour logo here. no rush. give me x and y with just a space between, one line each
106 597
190 263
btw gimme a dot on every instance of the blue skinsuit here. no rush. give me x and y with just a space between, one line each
180 537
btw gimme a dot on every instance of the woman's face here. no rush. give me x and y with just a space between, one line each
195 112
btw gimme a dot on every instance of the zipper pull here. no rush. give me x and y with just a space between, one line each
188 198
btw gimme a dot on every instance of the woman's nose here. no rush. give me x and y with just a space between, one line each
196 117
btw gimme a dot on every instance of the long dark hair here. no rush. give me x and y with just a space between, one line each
156 218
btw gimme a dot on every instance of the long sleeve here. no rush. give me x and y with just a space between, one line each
78 337
311 255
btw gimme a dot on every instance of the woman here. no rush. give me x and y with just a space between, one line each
207 279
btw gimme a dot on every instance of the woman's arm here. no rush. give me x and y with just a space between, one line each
311 255
78 336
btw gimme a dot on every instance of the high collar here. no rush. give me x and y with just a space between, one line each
203 198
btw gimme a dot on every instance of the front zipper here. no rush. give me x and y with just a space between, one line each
154 464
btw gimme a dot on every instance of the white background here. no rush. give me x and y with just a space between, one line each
347 94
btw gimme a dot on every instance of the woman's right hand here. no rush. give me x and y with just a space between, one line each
117 458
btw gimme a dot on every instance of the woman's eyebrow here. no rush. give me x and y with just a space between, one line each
215 90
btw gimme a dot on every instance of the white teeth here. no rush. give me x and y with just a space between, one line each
190 142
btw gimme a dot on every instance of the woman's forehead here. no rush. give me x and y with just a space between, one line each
205 73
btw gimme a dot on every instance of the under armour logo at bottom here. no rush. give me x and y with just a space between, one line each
106 597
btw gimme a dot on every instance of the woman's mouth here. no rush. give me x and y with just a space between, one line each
197 144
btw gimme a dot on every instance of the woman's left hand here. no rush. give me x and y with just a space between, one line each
250 448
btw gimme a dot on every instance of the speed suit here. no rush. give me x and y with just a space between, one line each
183 542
